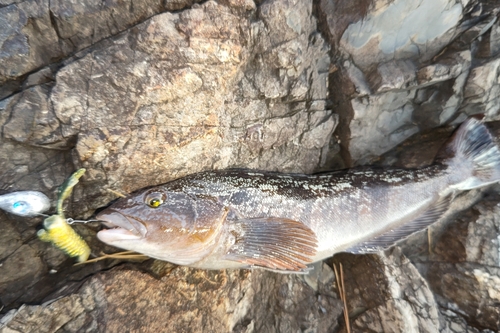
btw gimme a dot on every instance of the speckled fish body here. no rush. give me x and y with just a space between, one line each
282 222
342 209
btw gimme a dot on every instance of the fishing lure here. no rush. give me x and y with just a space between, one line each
66 189
57 230
25 203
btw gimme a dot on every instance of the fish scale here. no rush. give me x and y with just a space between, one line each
299 200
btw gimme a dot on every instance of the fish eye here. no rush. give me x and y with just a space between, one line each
155 199
154 202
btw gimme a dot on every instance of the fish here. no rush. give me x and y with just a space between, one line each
58 232
25 203
237 219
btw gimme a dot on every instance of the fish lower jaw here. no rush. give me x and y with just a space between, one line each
110 236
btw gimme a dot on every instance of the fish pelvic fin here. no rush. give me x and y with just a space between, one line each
276 244
391 237
472 149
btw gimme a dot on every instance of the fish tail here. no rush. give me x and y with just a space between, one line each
473 156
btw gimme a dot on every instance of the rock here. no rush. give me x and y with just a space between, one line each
385 293
178 93
40 33
24 268
31 119
50 317
401 30
406 82
465 273
398 100
452 322
482 91
206 57
28 42
142 93
216 301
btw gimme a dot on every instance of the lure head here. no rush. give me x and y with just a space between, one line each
25 203
164 223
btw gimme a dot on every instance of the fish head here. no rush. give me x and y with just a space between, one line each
164 224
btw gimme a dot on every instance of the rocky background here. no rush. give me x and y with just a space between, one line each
143 92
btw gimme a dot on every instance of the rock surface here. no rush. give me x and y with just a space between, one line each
396 75
140 93
186 300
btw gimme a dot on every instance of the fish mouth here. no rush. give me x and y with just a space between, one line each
120 227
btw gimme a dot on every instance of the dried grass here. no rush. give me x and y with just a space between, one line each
125 255
341 287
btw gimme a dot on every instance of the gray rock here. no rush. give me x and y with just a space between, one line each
49 317
28 41
408 76
31 119
164 99
402 30
192 106
464 269
22 270
386 293
482 91
39 33
141 93
454 323
401 101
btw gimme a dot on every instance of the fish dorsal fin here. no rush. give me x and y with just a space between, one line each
276 244
393 236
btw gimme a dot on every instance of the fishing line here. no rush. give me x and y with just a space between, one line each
69 220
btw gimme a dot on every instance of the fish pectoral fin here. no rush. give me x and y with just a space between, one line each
276 244
391 237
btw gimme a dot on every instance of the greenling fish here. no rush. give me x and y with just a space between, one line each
282 222
25 203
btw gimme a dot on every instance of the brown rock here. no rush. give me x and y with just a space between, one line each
187 300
